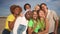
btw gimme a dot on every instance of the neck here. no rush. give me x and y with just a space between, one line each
15 15
46 12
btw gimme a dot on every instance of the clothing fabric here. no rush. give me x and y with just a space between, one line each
21 29
39 25
20 21
52 16
9 18
5 31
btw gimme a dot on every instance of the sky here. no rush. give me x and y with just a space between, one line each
5 5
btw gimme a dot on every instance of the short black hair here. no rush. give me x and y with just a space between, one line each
25 6
42 4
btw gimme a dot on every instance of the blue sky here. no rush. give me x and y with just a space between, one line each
5 5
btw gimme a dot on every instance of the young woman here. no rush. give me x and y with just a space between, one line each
37 7
15 11
44 25
32 29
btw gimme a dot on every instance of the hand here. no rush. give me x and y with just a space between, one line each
55 32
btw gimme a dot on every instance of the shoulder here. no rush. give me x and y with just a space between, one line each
10 17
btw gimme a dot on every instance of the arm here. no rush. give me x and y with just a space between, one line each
46 29
55 17
11 24
56 27
30 30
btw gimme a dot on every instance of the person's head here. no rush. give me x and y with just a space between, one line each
34 14
41 14
43 6
28 15
27 6
37 7
15 9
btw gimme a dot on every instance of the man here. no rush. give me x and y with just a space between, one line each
27 7
52 17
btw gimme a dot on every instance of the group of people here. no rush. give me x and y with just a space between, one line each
41 20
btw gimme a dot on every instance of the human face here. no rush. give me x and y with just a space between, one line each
44 7
27 7
37 7
28 15
41 14
35 15
17 11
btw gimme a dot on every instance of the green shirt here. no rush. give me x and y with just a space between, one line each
39 25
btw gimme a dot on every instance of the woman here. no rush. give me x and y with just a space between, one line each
32 29
37 7
15 11
44 25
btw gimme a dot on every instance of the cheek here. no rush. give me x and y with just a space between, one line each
39 14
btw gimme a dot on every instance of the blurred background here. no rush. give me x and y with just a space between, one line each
5 8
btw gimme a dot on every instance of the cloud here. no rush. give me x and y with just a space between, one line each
5 4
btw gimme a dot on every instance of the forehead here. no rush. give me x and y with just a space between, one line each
34 12
29 12
43 5
27 5
41 11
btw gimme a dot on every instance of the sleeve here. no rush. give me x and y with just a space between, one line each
10 18
30 23
55 16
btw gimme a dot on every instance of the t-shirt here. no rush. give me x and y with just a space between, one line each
39 25
52 16
22 21
9 18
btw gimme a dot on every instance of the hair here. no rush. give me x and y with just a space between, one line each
13 7
25 6
43 4
34 11
38 12
28 13
37 5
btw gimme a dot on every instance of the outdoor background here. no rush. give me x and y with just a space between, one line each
5 8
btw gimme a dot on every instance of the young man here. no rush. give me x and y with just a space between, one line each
27 7
52 17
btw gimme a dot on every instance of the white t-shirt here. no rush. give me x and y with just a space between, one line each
20 20
51 16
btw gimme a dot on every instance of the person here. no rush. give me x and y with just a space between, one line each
43 22
28 15
15 10
37 7
52 17
20 26
27 7
32 22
